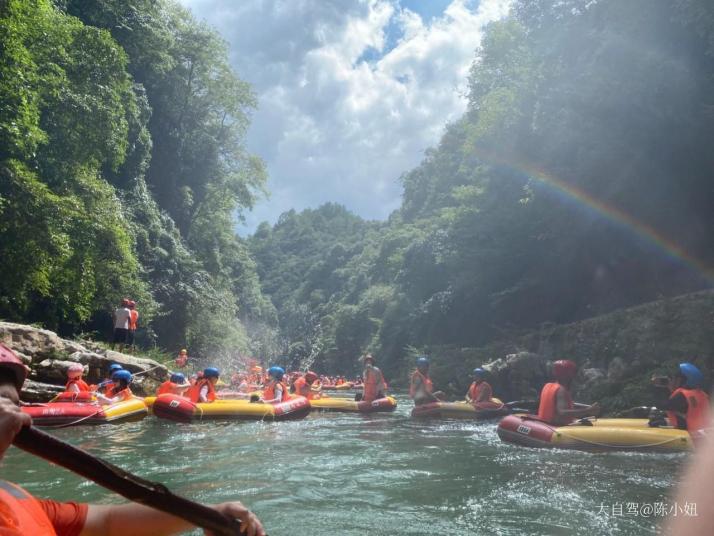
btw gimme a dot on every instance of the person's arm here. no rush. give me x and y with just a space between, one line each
74 388
203 394
563 411
140 520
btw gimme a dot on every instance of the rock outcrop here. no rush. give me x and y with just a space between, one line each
49 356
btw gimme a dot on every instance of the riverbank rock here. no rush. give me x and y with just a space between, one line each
33 391
49 356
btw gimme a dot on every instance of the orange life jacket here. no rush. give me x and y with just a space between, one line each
372 383
166 388
125 394
133 319
269 391
697 416
195 391
477 389
301 388
21 514
83 386
425 380
547 410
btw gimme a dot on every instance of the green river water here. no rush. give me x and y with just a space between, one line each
384 474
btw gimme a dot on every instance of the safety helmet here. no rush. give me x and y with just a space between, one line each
564 370
479 372
310 376
211 372
74 370
276 372
8 359
177 377
422 362
692 375
114 367
120 375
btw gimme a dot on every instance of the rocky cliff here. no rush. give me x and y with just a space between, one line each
49 356
617 353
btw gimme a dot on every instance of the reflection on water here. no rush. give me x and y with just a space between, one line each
385 474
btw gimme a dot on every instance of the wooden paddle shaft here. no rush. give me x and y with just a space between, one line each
127 485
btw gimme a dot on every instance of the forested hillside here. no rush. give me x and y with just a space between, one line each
122 166
578 182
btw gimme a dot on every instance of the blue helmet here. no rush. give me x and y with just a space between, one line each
177 377
422 362
114 367
120 375
211 372
479 372
692 375
276 372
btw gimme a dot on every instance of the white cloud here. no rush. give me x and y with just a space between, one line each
350 94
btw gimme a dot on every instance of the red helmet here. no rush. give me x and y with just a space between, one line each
8 359
310 376
564 370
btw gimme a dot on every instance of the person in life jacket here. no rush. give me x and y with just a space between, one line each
204 390
106 386
374 386
120 389
75 383
303 385
275 389
688 405
421 388
22 514
480 390
556 403
175 385
182 358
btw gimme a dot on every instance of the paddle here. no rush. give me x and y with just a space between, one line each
127 485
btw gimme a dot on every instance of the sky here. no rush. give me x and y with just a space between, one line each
350 93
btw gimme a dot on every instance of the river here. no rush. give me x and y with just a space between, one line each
343 474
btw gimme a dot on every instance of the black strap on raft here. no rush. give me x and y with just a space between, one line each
127 485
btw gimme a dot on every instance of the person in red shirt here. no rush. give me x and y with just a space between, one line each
133 323
21 514
182 358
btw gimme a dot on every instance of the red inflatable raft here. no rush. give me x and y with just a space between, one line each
68 409
180 409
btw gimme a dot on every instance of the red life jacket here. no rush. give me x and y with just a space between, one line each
269 391
477 389
425 380
195 390
547 410
166 388
697 416
133 319
83 386
21 513
301 388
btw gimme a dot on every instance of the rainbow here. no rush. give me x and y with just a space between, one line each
639 229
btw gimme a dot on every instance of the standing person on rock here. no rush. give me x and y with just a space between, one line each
133 322
121 325
22 514
182 358
374 384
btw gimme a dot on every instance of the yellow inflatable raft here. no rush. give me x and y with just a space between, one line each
177 408
351 406
598 435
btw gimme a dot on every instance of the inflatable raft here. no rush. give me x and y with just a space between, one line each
75 410
180 409
342 387
598 435
461 410
349 405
